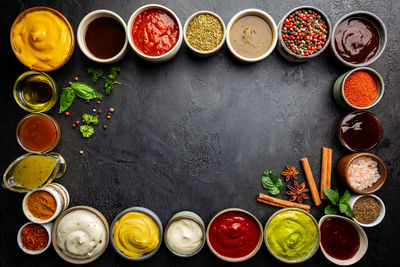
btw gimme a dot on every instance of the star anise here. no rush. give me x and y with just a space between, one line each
290 172
297 192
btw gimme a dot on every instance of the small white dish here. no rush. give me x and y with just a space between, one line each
263 15
82 30
361 250
353 200
199 52
47 226
154 59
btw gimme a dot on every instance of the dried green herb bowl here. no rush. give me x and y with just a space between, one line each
197 51
353 200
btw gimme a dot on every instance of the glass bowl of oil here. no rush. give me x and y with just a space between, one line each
35 91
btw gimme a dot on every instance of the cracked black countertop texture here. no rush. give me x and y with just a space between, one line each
197 133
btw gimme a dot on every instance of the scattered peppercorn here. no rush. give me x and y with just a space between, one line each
69 83
94 110
73 125
98 101
76 78
67 113
105 126
111 110
97 116
81 152
108 117
99 111
77 122
304 32
100 98
87 101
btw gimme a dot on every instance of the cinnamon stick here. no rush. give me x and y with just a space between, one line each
311 181
328 183
324 172
281 202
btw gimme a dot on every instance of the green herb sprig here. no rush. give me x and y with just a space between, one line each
76 89
110 79
271 182
336 201
87 130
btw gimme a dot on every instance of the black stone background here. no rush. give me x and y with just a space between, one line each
196 134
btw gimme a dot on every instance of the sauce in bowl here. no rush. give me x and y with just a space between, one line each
155 32
356 40
234 234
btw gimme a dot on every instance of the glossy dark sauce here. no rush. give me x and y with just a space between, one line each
356 40
105 37
360 130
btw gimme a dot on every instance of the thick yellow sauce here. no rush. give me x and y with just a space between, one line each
42 40
291 235
135 234
33 171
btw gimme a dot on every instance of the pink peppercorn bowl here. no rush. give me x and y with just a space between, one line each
289 55
338 88
343 166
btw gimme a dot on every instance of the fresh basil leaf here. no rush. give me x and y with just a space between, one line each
88 119
346 209
86 130
346 196
66 99
85 91
271 182
332 195
329 210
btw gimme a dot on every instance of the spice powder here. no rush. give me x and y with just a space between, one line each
367 210
205 32
41 204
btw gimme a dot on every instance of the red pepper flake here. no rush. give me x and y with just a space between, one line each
34 237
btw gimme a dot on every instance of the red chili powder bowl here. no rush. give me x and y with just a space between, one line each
360 88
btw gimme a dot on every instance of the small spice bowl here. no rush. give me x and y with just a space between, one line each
186 215
147 212
197 51
343 166
58 198
290 55
363 242
47 226
353 199
252 12
291 212
164 57
379 26
339 94
247 215
81 32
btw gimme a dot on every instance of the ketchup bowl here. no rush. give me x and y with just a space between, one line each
162 42
234 235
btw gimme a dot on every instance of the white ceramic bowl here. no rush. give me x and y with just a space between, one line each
199 52
47 226
263 15
82 30
353 200
60 205
363 242
154 59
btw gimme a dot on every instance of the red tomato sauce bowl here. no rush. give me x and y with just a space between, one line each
234 235
155 33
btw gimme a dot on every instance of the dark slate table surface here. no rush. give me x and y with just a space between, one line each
196 134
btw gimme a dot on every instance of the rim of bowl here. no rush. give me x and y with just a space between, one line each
47 226
89 18
130 24
381 180
363 14
194 15
353 200
156 220
29 215
203 230
363 238
328 39
77 260
378 79
63 191
244 258
341 139
56 126
55 12
22 77
312 251
264 15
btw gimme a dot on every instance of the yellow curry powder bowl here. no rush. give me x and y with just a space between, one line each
42 39
292 235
